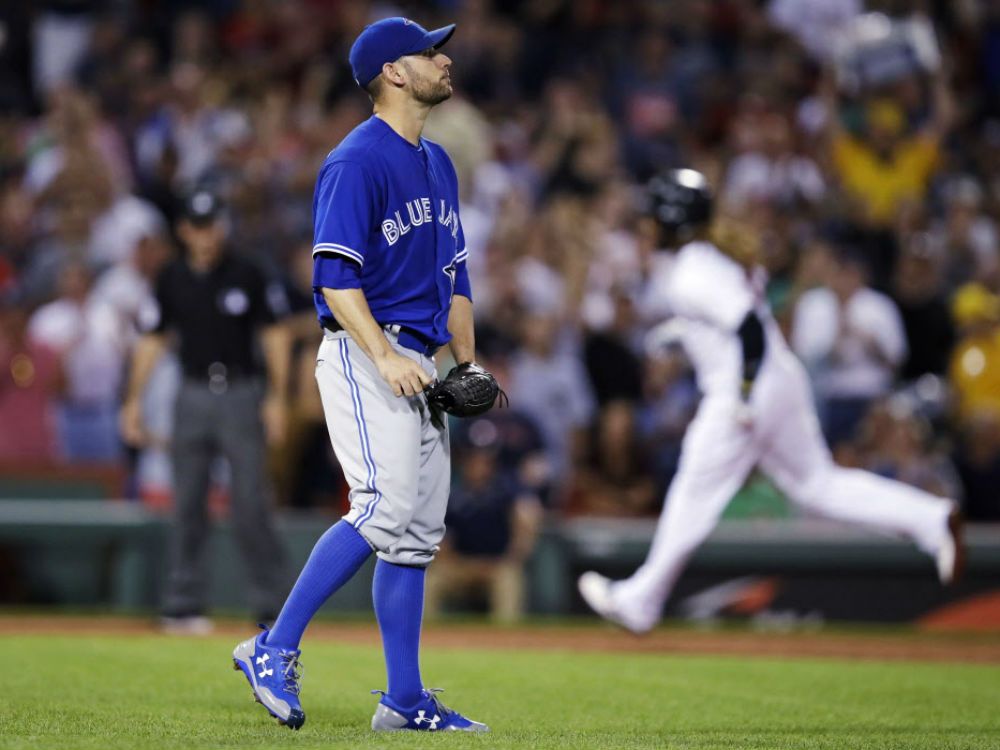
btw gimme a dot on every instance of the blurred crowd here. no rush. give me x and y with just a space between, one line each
871 175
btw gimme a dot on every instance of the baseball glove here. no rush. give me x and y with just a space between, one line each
466 391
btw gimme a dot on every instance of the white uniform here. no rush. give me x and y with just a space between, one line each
712 294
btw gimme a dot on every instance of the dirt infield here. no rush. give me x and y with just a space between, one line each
897 646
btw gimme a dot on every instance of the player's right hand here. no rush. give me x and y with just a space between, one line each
130 423
405 376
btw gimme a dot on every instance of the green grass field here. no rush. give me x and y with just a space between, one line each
152 692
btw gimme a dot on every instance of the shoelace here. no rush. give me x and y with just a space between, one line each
292 670
439 706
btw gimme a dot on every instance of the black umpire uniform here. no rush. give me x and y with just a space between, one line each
217 308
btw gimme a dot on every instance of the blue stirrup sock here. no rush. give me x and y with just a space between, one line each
337 556
398 595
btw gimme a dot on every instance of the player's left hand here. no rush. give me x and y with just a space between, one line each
466 391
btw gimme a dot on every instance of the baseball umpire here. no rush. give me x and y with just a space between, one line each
215 303
756 409
391 288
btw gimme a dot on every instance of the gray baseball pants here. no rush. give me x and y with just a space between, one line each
207 424
394 453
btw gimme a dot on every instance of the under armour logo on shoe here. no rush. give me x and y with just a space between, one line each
421 717
262 662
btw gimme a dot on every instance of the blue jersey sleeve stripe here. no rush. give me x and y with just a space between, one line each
464 255
330 247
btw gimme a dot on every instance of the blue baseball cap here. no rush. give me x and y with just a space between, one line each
388 40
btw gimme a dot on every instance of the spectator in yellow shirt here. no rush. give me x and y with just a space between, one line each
886 167
975 363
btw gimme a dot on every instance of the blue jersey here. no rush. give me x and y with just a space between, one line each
391 208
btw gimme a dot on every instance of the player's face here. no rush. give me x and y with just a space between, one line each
429 74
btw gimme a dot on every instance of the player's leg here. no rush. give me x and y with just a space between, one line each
398 588
240 435
374 436
398 598
192 452
717 455
797 459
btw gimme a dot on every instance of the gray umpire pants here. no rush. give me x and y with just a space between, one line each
207 424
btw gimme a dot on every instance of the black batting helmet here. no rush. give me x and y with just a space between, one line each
680 200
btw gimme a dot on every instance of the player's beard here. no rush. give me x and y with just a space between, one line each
427 91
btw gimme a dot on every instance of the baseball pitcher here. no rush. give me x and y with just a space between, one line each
391 288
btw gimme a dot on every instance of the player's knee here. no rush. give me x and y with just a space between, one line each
809 488
384 533
408 558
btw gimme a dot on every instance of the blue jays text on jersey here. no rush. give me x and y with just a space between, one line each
386 211
419 212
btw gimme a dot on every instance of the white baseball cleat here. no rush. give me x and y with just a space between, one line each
597 591
950 556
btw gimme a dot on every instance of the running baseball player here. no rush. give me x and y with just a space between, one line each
756 410
391 288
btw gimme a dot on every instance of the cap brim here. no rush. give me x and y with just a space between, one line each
439 37
202 220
